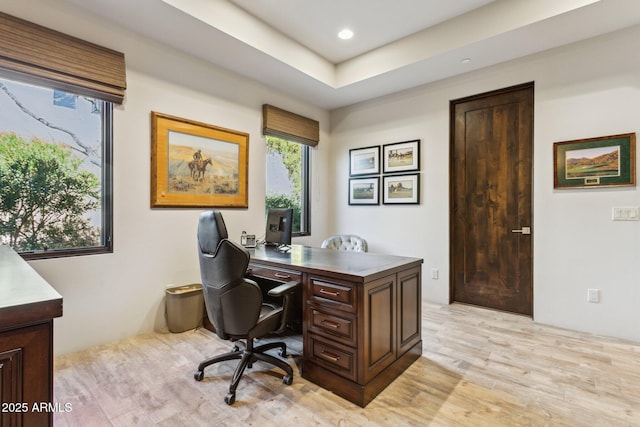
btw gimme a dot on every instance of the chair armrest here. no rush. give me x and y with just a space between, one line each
284 289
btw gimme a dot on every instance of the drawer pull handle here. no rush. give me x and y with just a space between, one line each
333 294
330 356
282 276
333 325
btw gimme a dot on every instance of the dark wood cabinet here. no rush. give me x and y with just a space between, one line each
28 305
361 316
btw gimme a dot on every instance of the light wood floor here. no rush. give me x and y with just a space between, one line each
478 368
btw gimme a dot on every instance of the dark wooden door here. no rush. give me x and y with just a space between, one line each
491 200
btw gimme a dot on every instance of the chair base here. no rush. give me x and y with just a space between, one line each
247 356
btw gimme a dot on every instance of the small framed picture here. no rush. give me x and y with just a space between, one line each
595 162
401 189
401 156
364 191
364 161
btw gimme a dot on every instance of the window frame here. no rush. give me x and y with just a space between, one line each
106 229
305 220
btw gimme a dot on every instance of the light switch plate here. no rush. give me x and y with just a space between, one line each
625 214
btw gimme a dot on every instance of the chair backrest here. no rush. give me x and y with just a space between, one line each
346 242
232 302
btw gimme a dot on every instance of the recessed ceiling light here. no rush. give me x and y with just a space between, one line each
466 60
345 34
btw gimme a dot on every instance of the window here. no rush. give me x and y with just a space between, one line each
56 95
55 171
289 138
288 180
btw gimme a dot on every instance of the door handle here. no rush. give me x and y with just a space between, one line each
523 230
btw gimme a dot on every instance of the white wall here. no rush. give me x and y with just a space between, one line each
586 90
112 296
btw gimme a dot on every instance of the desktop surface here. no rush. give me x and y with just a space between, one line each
355 265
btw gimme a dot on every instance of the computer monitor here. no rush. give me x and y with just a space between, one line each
278 231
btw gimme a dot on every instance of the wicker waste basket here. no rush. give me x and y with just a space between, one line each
185 307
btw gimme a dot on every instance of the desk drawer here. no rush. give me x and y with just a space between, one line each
332 356
272 273
341 327
330 292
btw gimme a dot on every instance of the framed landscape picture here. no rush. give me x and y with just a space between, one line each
195 164
401 189
401 156
595 162
364 191
364 161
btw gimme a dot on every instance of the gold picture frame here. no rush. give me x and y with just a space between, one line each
197 165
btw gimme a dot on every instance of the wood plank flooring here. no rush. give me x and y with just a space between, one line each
479 368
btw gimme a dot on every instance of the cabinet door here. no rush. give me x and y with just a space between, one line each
409 309
379 346
26 375
11 386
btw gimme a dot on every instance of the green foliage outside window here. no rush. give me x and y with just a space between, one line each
291 155
284 201
44 196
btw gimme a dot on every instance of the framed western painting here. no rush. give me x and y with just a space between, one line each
401 156
364 191
195 164
595 162
401 189
364 161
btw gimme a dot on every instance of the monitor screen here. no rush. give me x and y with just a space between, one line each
278 227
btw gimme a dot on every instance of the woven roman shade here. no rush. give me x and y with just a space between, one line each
290 126
35 54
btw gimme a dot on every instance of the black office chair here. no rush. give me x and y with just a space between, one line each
234 303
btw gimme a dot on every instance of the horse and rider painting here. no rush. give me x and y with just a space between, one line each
200 165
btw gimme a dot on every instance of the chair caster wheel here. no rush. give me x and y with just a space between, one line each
235 349
230 398
199 375
287 379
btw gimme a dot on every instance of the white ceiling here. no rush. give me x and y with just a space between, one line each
315 24
292 45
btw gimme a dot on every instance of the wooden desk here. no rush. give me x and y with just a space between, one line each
361 320
28 305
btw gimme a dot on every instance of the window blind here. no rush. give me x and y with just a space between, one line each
290 126
35 54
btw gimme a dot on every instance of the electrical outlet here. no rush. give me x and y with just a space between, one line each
593 295
435 273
